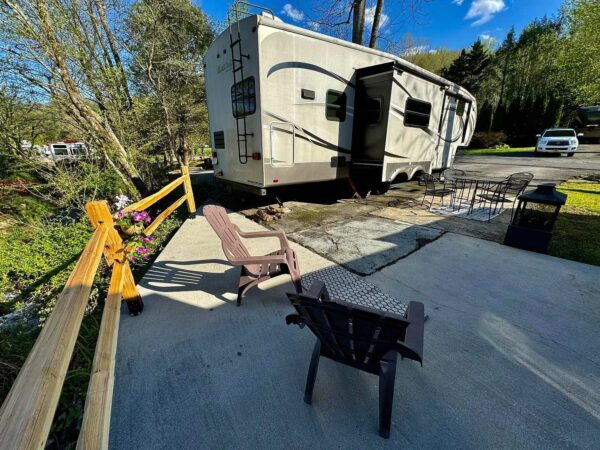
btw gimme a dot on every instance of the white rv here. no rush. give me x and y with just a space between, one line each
68 150
288 105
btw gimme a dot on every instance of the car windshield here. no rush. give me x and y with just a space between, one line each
559 133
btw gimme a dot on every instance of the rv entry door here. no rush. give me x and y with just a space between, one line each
283 136
450 130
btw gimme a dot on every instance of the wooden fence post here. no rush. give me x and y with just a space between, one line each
187 184
99 212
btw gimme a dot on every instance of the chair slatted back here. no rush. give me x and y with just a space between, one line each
232 244
518 182
351 334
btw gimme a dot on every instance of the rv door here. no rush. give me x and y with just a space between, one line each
450 129
283 136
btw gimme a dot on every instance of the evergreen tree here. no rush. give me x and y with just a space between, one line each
468 69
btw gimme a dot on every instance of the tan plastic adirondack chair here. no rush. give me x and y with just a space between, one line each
254 269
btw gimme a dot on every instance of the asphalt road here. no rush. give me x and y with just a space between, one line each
546 168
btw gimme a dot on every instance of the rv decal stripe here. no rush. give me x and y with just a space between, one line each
386 153
310 137
307 66
402 87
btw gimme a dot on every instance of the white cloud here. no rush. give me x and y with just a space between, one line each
295 14
484 10
370 16
458 2
486 37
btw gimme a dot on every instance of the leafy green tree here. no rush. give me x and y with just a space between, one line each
580 55
167 40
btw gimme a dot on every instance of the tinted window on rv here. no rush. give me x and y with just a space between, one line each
243 98
335 106
60 150
374 110
460 108
417 113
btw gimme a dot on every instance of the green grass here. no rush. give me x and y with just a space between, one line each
577 233
496 151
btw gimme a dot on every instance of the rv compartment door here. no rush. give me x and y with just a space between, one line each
283 136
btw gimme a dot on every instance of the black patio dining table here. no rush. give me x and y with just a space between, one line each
468 186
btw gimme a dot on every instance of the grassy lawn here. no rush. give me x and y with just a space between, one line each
577 233
496 151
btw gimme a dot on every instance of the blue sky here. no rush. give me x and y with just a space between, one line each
452 24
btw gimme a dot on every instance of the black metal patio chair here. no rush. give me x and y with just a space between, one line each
435 188
506 191
360 337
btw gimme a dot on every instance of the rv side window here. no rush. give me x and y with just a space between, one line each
417 113
335 106
460 108
243 98
60 150
219 139
374 110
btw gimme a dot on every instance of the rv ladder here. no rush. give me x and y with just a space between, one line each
240 89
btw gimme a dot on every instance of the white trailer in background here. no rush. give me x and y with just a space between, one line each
288 105
68 150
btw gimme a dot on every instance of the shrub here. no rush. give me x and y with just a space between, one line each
35 262
487 139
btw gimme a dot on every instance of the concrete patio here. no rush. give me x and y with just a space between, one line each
511 358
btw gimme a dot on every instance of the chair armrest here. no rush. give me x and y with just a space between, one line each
268 259
412 347
280 234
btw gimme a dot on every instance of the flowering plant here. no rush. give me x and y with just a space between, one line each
140 247
126 219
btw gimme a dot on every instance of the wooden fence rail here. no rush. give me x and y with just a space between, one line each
27 412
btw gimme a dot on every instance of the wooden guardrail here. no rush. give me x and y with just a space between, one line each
27 412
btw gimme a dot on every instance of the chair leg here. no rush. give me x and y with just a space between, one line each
312 372
245 284
387 379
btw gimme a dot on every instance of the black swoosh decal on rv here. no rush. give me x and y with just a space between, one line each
401 87
308 66
312 137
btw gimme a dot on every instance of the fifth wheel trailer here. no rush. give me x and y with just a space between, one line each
288 106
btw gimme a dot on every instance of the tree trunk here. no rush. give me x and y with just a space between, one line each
101 7
376 24
358 21
102 130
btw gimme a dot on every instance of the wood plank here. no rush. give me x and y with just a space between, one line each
99 212
191 204
146 202
96 417
163 215
27 412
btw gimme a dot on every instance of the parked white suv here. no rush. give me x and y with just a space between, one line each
557 140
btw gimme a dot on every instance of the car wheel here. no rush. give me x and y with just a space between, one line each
571 154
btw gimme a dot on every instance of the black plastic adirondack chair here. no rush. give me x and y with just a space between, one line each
364 338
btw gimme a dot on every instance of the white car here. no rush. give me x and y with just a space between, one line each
557 140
